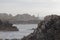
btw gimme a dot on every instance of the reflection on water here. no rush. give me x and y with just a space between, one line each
23 31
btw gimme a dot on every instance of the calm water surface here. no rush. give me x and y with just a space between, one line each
24 30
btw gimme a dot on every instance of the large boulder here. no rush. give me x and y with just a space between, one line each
48 29
6 26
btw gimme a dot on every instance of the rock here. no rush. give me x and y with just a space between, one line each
48 29
6 26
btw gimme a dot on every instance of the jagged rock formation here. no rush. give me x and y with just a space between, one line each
48 29
6 26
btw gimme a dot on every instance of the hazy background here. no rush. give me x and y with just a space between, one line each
33 7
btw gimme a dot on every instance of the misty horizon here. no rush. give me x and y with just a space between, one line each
20 14
32 7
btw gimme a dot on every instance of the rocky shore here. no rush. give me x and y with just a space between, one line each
48 29
6 26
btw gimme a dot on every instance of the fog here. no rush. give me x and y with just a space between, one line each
33 7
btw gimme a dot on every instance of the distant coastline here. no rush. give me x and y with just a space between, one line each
20 19
26 22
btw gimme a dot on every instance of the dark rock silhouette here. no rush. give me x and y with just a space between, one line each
0 22
6 26
48 29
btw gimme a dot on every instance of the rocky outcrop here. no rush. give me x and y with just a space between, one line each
48 29
6 26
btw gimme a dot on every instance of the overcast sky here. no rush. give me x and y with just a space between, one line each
33 7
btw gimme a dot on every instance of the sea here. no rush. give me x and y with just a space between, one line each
24 30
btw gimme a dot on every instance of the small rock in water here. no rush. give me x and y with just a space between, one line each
6 26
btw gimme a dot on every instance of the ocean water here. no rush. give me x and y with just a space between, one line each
24 30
